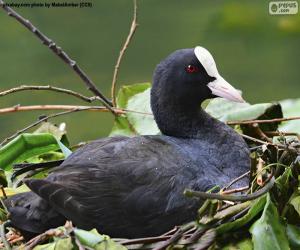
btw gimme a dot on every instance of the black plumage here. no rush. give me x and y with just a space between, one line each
133 186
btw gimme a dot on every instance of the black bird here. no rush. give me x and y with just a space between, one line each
133 186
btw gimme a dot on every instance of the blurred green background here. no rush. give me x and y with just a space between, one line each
256 52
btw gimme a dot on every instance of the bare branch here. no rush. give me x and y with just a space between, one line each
50 88
59 52
132 30
73 110
68 109
263 121
19 108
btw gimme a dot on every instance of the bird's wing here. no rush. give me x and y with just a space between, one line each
144 179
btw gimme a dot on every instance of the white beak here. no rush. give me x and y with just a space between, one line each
221 88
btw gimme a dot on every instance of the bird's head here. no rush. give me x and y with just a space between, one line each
190 76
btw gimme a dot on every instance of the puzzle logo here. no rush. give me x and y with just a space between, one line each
283 8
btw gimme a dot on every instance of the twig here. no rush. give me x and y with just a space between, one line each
146 240
263 121
206 240
175 237
125 46
204 195
18 108
4 206
235 190
255 139
41 238
196 235
15 240
3 236
37 123
59 52
260 166
3 191
236 180
257 130
50 88
279 133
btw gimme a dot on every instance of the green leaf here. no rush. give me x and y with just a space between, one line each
293 233
88 238
64 244
96 241
295 202
225 110
122 127
256 207
290 108
268 232
244 244
135 98
109 244
128 91
58 244
49 246
282 182
25 146
144 124
12 191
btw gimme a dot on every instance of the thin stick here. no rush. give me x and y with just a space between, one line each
41 238
3 191
132 30
255 139
236 180
18 108
175 237
147 240
50 88
37 123
257 130
263 121
279 133
3 236
204 195
59 52
235 190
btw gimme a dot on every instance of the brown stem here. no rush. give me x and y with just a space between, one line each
144 240
263 121
235 190
18 108
175 237
125 46
38 122
59 52
41 238
279 133
204 195
236 180
50 88
257 130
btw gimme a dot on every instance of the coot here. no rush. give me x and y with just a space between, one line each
133 186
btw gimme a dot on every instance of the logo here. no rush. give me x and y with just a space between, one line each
283 8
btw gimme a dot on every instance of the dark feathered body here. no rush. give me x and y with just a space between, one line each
121 189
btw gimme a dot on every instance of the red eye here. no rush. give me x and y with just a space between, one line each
192 69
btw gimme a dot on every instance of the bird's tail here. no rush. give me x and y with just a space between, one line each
31 214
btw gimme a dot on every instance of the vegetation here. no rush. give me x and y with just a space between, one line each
263 215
